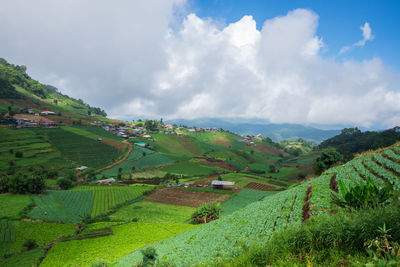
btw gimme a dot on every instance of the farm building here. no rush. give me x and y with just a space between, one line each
220 184
82 168
108 181
47 112
141 144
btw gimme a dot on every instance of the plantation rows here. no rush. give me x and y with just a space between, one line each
74 205
140 158
259 220
7 231
107 197
225 236
95 154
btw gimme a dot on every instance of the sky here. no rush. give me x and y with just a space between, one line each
306 62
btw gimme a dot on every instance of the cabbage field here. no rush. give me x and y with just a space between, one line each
225 237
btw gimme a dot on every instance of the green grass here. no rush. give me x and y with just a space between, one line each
139 158
153 212
94 132
24 259
82 150
126 238
191 168
242 199
62 206
11 205
106 197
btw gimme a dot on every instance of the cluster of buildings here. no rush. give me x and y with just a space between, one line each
29 119
249 140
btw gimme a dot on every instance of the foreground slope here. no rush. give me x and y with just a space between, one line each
226 237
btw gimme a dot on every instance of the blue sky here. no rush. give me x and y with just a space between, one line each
339 22
209 59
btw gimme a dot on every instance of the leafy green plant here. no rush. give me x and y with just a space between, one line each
30 244
381 250
206 213
366 194
149 256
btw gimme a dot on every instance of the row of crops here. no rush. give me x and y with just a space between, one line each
73 205
95 154
105 198
259 220
7 231
140 158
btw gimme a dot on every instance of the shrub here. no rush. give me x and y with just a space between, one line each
19 154
30 244
149 256
65 183
362 195
206 213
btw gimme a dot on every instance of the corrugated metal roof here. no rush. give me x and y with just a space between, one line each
217 182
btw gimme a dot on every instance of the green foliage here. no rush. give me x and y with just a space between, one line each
12 205
191 168
242 199
140 158
326 160
107 197
126 238
65 183
21 183
24 259
363 195
30 244
382 250
153 212
62 206
7 231
149 257
206 213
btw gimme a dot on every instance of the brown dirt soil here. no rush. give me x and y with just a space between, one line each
218 163
179 197
116 144
206 180
306 206
268 149
333 184
188 145
221 141
258 186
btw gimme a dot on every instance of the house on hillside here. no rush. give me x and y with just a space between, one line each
47 112
191 130
47 123
108 181
217 184
81 169
168 126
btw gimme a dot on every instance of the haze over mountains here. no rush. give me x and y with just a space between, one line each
277 132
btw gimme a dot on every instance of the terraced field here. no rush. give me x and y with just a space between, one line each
140 158
96 154
260 220
7 231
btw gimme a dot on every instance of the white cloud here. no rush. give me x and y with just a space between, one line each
367 36
129 60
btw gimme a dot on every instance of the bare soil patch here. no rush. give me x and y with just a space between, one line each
179 197
118 145
306 206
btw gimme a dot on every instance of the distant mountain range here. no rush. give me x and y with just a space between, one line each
277 132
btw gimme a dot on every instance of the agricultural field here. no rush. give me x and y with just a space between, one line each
140 158
126 238
242 199
11 205
96 154
153 212
36 149
24 259
100 132
172 145
243 179
192 168
7 231
62 206
106 197
181 197
261 219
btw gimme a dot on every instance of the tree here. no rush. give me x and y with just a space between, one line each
326 160
65 183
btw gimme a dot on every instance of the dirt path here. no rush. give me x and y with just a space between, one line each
119 161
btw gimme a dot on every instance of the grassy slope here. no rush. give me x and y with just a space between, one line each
11 205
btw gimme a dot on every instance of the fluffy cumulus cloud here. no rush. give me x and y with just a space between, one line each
367 36
143 59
